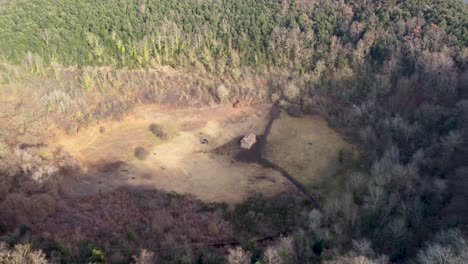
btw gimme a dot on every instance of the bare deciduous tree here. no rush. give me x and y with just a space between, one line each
448 247
145 257
21 254
438 71
238 256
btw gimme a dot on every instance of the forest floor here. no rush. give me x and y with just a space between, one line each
305 147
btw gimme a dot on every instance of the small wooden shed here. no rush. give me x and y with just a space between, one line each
248 141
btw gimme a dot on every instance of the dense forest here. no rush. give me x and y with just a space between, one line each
392 74
222 33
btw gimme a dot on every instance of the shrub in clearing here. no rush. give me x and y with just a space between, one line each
213 229
158 131
141 153
295 111
222 93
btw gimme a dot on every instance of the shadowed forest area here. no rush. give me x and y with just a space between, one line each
120 123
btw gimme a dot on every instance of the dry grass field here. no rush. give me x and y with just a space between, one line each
307 148
180 163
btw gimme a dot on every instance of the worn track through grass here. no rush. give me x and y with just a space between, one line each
257 155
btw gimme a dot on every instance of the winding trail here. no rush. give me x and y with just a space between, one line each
257 155
227 244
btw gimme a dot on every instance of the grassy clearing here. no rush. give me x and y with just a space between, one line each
180 162
307 148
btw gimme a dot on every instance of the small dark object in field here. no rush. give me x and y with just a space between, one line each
141 153
204 141
158 131
295 111
102 130
26 146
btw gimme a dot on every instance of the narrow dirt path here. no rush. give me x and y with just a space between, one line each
228 244
257 155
